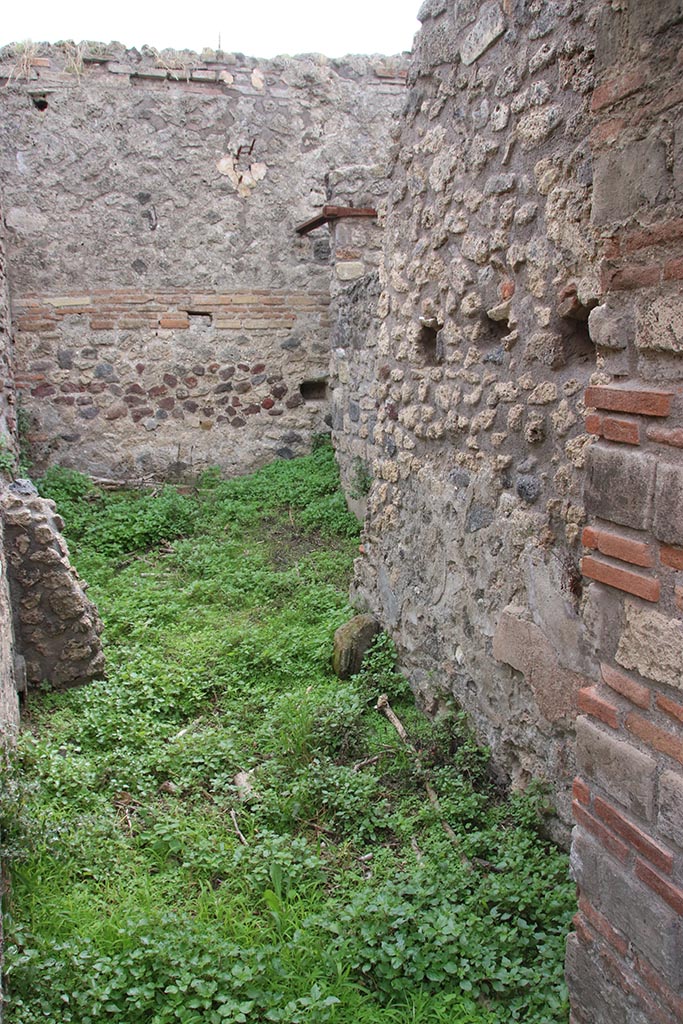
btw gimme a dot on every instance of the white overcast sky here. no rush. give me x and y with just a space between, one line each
258 28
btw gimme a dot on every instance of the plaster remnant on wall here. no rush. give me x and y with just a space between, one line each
243 178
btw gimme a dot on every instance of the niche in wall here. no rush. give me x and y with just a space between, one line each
314 390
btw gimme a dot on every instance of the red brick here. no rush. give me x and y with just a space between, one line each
671 556
596 828
643 843
678 597
635 276
661 740
611 247
627 687
602 926
656 234
624 431
671 894
582 930
669 707
592 704
660 435
173 323
607 132
614 546
622 579
594 423
580 791
617 88
640 401
659 986
673 270
589 537
40 62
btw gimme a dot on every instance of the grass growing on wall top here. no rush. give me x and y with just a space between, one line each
222 831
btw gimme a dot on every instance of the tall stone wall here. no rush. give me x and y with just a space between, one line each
356 253
625 961
478 374
9 704
167 317
523 535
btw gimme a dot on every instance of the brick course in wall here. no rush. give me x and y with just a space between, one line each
169 376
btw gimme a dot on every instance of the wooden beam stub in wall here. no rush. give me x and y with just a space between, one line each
329 213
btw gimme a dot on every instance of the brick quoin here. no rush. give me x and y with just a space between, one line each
669 707
592 704
670 893
657 738
602 926
596 828
655 853
614 546
627 687
622 579
641 401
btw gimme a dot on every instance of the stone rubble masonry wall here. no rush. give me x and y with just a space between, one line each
625 959
57 627
9 705
166 314
356 250
471 394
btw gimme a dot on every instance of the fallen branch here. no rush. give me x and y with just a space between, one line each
385 708
240 834
419 856
366 762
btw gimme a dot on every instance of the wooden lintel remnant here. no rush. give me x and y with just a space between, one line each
329 213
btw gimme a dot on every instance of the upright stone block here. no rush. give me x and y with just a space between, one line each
623 771
489 27
620 486
668 519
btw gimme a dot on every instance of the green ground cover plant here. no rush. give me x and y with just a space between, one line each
222 831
